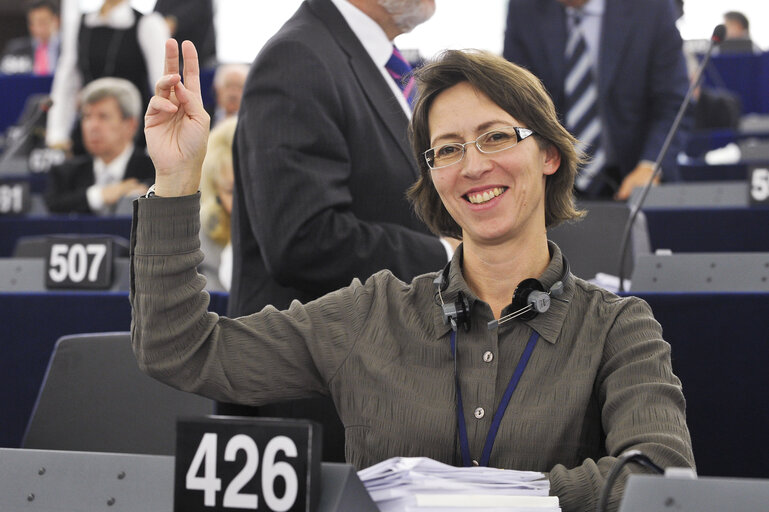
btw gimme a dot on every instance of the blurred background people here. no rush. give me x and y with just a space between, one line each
37 53
113 168
616 72
117 41
216 188
322 166
737 34
229 80
192 20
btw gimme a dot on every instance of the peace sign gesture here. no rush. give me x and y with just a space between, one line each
176 125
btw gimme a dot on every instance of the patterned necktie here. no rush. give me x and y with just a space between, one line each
41 60
582 118
400 69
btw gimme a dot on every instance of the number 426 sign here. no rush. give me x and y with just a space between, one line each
229 463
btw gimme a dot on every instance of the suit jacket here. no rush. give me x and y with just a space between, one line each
68 182
322 163
642 77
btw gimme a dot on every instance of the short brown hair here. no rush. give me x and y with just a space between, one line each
520 94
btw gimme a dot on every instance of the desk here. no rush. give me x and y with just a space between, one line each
736 229
12 228
704 217
31 324
720 353
700 171
718 342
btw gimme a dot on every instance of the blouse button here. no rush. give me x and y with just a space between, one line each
488 356
479 412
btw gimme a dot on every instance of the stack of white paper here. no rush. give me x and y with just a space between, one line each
405 484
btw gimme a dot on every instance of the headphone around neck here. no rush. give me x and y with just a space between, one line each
529 299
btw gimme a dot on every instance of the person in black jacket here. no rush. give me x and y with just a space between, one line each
322 165
112 168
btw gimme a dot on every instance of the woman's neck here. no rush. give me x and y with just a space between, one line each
494 271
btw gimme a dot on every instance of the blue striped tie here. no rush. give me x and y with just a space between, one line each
582 118
400 70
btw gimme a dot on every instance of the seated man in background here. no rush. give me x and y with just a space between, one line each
737 34
229 80
39 52
113 168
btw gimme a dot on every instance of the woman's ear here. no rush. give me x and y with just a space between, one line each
552 159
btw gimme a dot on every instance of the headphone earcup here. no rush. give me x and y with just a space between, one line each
521 297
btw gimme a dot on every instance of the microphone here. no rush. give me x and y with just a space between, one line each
26 129
718 36
629 456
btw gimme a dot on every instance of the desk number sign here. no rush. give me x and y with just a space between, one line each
758 177
226 463
79 263
14 197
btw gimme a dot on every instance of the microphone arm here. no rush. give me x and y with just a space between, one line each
26 129
718 35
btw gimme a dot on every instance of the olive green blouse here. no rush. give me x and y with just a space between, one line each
599 381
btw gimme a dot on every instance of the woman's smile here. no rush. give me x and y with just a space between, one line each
480 196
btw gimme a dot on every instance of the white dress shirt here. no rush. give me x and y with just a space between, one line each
107 174
152 33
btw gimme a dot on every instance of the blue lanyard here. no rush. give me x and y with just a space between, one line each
464 444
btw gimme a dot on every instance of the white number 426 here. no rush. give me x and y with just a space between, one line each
205 456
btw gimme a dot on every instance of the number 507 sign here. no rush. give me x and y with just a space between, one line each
228 463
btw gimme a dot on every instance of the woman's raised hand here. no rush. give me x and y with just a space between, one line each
176 125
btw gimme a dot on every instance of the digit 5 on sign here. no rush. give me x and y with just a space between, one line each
759 185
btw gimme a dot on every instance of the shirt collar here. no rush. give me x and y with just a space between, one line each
368 31
120 16
591 8
547 324
115 170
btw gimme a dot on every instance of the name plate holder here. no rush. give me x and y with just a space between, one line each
227 463
14 197
265 464
758 185
79 262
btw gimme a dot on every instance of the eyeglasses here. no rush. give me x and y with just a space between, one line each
490 142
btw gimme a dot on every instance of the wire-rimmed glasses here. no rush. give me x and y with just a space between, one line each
492 141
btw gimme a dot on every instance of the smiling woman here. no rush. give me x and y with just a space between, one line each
593 380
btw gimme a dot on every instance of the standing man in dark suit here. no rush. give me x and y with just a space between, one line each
39 52
113 168
636 65
322 167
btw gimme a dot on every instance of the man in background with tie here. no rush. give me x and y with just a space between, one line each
39 52
617 75
322 164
